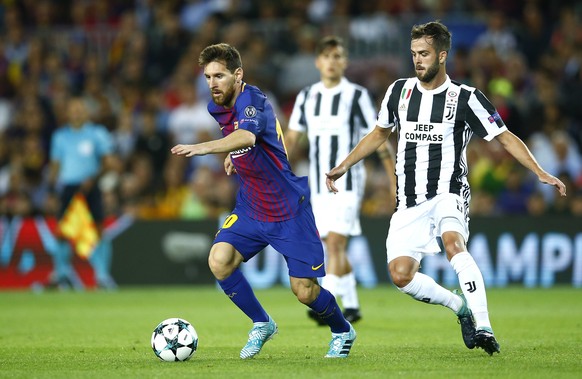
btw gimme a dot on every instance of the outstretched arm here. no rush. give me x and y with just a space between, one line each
236 140
515 146
365 147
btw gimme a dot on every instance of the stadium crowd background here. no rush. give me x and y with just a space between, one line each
135 64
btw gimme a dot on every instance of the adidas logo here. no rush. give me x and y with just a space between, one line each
347 347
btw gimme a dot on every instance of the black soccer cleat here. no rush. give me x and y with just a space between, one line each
352 315
467 330
315 317
467 323
485 340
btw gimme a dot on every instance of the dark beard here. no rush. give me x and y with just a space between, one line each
226 97
430 73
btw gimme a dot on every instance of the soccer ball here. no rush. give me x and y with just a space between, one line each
174 339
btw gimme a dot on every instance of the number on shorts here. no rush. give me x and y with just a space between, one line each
229 221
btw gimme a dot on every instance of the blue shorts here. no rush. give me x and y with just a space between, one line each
296 239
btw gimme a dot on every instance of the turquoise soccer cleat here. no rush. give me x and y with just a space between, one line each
259 334
341 344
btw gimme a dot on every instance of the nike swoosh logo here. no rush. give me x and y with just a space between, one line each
315 268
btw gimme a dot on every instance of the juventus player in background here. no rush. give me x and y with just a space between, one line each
272 205
435 117
335 114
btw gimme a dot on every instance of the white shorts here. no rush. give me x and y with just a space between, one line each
338 213
413 231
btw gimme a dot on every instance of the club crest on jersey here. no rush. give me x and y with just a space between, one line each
450 106
250 111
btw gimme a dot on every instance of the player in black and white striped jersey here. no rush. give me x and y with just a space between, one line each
335 114
434 118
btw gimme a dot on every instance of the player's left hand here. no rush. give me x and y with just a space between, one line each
228 166
188 150
552 180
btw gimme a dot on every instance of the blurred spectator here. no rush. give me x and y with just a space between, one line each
561 205
190 122
209 195
533 33
557 152
498 35
576 203
124 134
372 27
490 166
298 70
194 13
460 65
536 204
138 180
166 40
513 197
166 202
154 143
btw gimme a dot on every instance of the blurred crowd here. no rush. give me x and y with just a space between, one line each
135 64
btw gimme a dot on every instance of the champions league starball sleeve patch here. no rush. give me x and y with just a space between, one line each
250 111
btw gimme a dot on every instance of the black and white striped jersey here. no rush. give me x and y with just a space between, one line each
335 120
434 128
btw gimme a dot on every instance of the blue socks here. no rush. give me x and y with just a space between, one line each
240 292
327 308
238 289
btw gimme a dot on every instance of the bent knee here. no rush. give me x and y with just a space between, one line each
401 279
306 290
223 261
306 297
402 272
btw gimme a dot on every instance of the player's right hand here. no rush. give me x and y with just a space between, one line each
189 150
332 176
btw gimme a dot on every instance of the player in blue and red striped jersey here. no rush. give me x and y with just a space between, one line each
272 207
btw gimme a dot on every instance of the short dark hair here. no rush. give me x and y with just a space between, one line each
435 30
327 42
221 52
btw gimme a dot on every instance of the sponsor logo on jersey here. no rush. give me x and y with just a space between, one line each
240 152
423 133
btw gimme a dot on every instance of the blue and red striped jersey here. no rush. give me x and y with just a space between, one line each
269 191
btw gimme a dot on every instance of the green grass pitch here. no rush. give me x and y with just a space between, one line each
107 335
